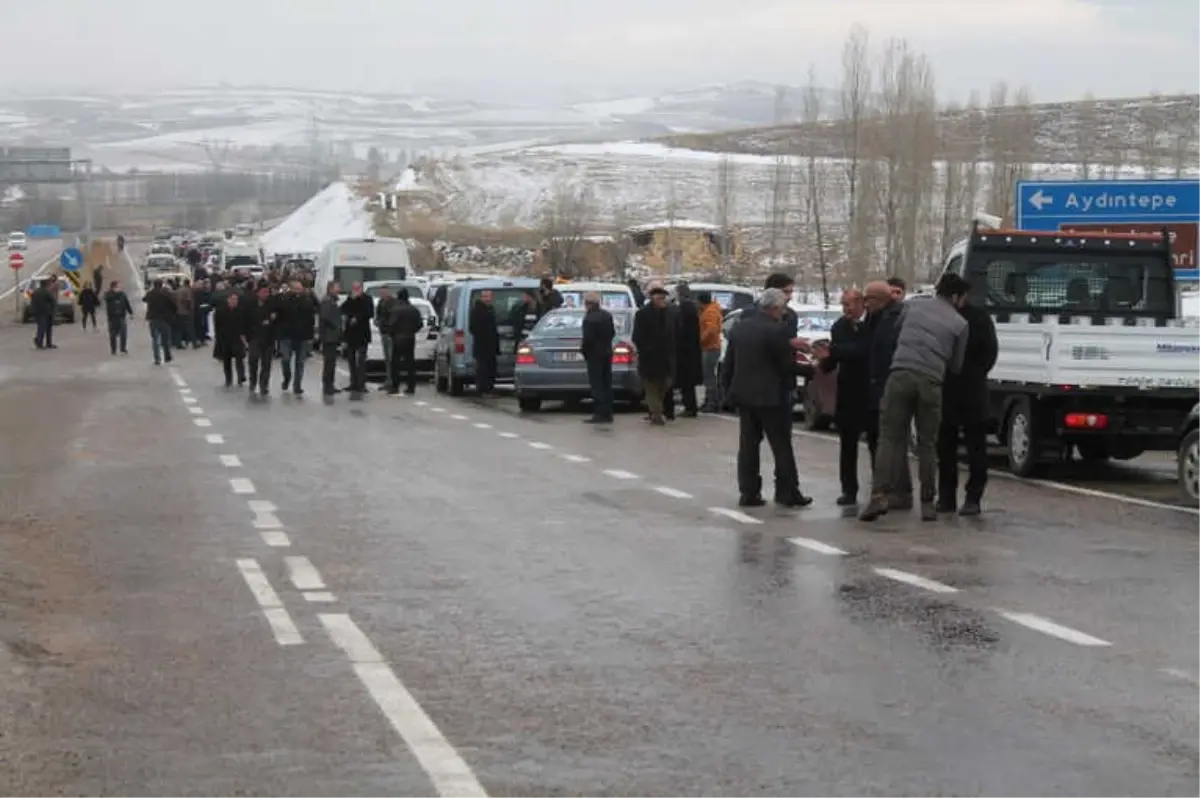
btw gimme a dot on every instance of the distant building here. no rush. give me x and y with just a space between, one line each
680 245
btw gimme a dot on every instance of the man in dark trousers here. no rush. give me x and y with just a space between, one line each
262 327
689 360
965 408
847 352
89 300
160 317
358 310
485 342
117 311
596 347
44 305
383 323
298 318
329 325
654 337
759 362
230 339
404 322
791 323
883 327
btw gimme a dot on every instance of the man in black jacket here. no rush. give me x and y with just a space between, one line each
965 408
404 322
596 347
117 311
383 323
160 316
44 304
883 325
358 310
548 297
849 340
330 322
230 339
759 363
262 327
297 319
485 342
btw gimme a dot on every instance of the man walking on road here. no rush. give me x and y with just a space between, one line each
185 320
117 311
689 358
89 300
597 350
298 318
358 310
160 316
932 340
262 320
884 312
229 339
654 337
759 364
847 352
485 342
383 323
711 320
329 319
44 305
404 323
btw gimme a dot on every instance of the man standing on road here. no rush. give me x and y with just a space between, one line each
330 320
117 311
791 325
884 312
89 300
485 342
711 320
229 339
185 320
965 407
44 305
383 323
596 347
404 322
358 310
654 337
548 297
689 358
97 283
160 316
523 316
298 318
759 363
932 341
847 352
262 319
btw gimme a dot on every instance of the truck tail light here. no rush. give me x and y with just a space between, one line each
460 342
622 355
1086 421
525 355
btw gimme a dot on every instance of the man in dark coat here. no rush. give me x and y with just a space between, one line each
639 298
404 322
759 363
298 318
383 323
485 342
262 328
229 339
358 310
883 329
548 297
329 331
791 324
965 408
117 311
689 360
523 317
596 346
44 304
89 300
849 340
160 317
654 337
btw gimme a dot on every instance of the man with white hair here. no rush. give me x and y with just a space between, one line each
759 365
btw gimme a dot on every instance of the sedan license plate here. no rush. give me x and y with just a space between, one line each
567 357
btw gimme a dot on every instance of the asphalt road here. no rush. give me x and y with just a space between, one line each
205 593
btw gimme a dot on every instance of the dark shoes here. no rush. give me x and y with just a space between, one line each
751 501
875 508
795 502
847 500
970 507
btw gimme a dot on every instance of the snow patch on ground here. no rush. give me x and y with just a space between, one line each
335 212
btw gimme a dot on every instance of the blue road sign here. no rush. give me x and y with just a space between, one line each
43 231
71 260
1047 205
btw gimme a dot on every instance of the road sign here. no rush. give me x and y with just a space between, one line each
43 231
1183 240
16 261
71 260
75 279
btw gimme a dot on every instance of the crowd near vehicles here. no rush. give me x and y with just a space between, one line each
65 310
454 363
423 351
549 364
17 241
241 257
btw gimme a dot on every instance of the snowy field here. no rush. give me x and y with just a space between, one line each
335 212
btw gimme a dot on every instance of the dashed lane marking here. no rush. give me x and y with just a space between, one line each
421 404
241 485
261 506
231 461
438 409
1049 627
214 437
276 538
178 380
674 493
458 417
482 425
539 445
736 515
202 422
575 458
320 596
915 581
509 435
196 411
190 400
817 546
617 473
267 521
282 626
185 391
303 573
450 774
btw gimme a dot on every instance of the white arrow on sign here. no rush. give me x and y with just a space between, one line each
1040 200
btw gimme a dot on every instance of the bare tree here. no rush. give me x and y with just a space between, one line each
566 217
1085 135
1180 127
1149 135
726 199
811 114
856 108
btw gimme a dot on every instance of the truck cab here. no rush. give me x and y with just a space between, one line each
1092 356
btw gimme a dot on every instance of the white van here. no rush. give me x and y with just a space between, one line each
241 256
361 260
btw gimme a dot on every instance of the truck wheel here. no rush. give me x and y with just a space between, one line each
1023 454
1189 467
457 386
439 379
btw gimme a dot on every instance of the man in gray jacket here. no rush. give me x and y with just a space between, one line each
933 338
329 325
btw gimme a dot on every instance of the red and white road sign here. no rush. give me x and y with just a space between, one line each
15 260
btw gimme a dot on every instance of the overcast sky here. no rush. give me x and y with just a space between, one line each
1060 48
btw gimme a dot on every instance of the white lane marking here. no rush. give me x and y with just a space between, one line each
736 515
286 633
1049 627
276 537
482 425
915 581
674 493
421 404
231 461
214 437
196 411
575 458
1176 673
303 573
241 485
458 417
190 400
508 435
817 546
202 422
320 596
261 506
438 409
539 445
267 521
185 391
617 473
451 776
178 380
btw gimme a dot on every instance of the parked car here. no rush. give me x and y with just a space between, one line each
613 296
17 241
422 353
729 297
549 364
66 300
1189 458
453 362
